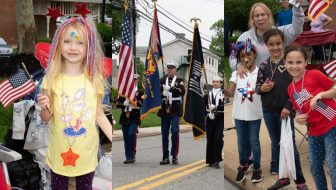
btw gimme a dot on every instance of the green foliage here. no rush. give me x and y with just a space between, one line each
217 42
237 12
6 117
233 38
114 94
140 67
108 10
227 69
105 31
117 20
44 39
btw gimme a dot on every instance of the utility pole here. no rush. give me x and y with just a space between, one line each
133 24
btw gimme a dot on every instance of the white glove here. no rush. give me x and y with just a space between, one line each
166 88
126 103
212 107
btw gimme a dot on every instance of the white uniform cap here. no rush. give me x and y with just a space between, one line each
171 63
217 78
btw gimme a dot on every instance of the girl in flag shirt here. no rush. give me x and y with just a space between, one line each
247 111
312 93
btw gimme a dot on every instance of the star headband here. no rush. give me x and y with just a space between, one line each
240 45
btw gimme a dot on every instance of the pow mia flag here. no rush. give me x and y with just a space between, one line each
194 107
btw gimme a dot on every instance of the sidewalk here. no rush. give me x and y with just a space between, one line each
231 160
148 131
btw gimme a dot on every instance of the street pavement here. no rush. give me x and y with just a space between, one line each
231 160
190 174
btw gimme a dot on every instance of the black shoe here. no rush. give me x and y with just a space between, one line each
216 165
273 170
164 161
256 176
241 174
129 161
211 165
174 160
281 183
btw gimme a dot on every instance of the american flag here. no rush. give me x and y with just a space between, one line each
17 86
317 7
302 97
325 110
330 69
126 86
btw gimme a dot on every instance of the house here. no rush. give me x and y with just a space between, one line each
7 10
178 50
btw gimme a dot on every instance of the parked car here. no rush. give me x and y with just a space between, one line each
5 49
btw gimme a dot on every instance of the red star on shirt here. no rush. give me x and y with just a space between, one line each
81 9
54 13
69 158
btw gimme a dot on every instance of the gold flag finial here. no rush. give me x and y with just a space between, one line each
126 5
195 19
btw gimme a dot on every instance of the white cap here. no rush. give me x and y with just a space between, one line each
136 76
217 78
171 63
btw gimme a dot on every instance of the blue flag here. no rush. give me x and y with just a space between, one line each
151 81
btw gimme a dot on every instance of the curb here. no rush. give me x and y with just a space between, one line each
119 137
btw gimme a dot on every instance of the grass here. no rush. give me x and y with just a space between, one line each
6 116
151 120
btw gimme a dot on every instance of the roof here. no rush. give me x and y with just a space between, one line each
188 42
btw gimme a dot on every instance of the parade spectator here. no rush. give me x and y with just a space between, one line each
272 83
318 25
71 100
312 96
214 102
285 15
261 20
172 92
129 121
247 111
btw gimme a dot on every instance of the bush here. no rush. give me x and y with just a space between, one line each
114 94
233 39
44 39
105 31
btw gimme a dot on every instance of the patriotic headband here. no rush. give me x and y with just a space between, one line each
238 46
91 39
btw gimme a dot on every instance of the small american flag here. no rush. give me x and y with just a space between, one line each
330 69
17 86
317 7
302 97
126 86
325 110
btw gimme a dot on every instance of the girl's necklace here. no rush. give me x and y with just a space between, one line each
296 93
70 157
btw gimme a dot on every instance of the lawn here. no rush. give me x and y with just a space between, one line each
6 115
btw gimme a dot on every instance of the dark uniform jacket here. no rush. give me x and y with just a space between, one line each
219 110
134 115
177 90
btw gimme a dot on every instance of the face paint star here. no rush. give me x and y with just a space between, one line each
69 158
247 92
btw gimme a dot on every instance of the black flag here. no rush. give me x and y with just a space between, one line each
194 107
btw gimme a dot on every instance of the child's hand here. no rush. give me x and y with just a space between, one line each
241 72
43 101
284 113
313 101
267 86
301 119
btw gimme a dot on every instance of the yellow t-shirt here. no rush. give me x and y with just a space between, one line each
73 125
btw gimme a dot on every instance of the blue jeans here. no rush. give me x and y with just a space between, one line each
321 148
166 121
273 124
248 139
130 135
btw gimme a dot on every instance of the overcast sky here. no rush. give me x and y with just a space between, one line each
209 11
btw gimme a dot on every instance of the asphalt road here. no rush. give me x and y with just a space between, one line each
190 174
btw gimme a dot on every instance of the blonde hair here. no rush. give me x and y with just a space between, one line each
267 11
93 63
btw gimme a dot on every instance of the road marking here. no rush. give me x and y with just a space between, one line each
137 183
171 178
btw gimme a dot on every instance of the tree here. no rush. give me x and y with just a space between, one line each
217 42
117 20
25 26
237 12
